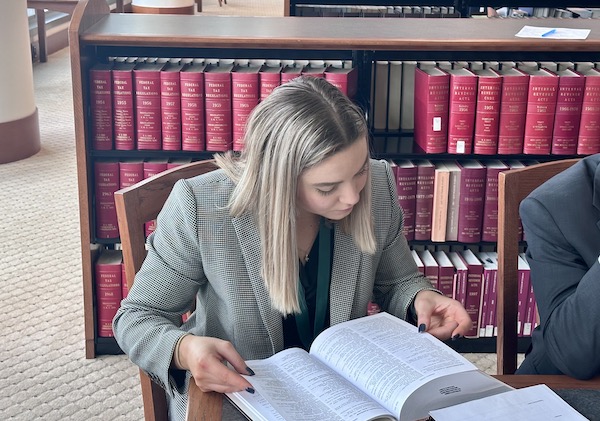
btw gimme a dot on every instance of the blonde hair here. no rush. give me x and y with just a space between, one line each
296 127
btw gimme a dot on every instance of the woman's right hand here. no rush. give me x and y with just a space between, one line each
204 357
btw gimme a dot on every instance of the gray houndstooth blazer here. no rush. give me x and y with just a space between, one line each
200 252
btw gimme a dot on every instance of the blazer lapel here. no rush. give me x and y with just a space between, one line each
344 276
249 240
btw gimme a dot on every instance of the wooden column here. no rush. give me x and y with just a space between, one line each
19 125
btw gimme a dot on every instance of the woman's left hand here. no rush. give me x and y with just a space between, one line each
441 316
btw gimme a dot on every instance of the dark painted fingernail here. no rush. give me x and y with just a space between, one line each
250 371
422 328
250 390
455 337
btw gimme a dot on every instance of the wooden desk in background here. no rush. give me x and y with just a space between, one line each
208 406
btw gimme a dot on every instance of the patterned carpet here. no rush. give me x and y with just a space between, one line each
43 371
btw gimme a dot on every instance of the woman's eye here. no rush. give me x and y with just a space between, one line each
325 192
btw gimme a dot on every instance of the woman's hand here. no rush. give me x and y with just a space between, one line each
204 357
441 316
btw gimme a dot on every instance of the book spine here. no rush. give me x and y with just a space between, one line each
109 293
487 116
170 106
462 107
217 89
473 299
101 108
453 205
245 93
130 173
460 291
192 111
588 141
513 109
446 280
470 212
568 114
539 121
489 230
523 296
347 82
439 211
124 287
147 110
380 91
124 109
406 180
424 202
431 112
268 82
106 179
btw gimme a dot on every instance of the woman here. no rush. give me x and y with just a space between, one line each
297 234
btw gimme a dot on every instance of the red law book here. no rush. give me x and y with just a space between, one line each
124 287
513 109
568 112
432 90
424 199
152 167
541 106
131 171
473 293
488 298
445 273
147 106
588 141
313 71
406 182
431 267
290 72
489 230
170 106
217 91
124 106
101 108
418 262
191 80
109 289
461 272
522 292
345 79
245 92
270 78
470 206
106 182
487 116
462 105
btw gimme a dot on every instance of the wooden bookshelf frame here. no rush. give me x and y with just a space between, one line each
96 34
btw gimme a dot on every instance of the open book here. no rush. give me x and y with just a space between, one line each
373 368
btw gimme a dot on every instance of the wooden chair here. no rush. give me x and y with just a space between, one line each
513 187
137 205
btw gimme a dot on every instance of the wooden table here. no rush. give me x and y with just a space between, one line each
208 406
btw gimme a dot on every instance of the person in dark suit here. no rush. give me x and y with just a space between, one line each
561 219
298 233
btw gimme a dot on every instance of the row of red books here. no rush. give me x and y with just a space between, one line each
451 200
190 106
110 176
471 278
507 111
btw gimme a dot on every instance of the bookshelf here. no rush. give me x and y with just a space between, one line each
96 34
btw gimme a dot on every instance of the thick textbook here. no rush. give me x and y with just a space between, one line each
374 368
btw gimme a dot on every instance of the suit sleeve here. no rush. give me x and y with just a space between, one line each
148 323
398 279
567 292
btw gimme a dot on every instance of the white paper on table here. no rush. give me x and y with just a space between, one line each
534 403
552 33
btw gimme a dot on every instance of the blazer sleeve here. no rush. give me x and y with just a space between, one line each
397 279
567 292
148 324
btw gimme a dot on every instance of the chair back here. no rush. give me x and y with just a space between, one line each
513 187
136 205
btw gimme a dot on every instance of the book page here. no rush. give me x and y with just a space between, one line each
534 403
388 359
299 387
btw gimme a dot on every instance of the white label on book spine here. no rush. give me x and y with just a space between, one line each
460 146
437 124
